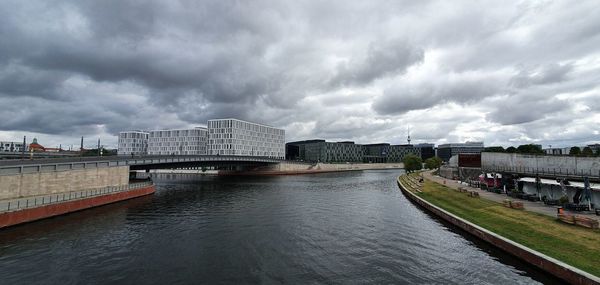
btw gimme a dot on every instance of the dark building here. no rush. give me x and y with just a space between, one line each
375 153
396 153
332 152
347 151
296 150
427 150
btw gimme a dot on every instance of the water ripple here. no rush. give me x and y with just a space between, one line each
336 228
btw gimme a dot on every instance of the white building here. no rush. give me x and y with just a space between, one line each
12 146
133 143
178 142
237 137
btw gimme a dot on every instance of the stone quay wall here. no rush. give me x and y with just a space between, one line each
42 183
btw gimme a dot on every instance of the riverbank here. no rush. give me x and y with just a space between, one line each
567 252
294 168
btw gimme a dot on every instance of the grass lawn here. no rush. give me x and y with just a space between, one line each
576 246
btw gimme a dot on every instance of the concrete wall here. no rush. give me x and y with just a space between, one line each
40 183
302 168
583 166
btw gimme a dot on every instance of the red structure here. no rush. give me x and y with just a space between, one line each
36 147
28 215
469 160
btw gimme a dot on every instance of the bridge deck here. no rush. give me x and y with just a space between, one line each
9 167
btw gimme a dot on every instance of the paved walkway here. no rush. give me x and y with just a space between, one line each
537 207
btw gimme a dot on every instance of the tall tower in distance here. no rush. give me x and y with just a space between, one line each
408 138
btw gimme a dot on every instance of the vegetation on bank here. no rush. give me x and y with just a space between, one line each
433 163
576 246
412 163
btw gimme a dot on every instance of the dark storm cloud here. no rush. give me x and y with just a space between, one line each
381 59
459 88
335 69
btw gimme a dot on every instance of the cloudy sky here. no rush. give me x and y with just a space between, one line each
526 72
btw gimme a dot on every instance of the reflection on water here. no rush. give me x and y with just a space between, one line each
353 227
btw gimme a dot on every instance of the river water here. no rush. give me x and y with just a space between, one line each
336 228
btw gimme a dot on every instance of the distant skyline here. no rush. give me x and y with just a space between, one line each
506 73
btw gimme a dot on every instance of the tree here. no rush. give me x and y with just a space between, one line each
412 163
511 149
530 149
433 162
493 149
575 151
598 151
587 151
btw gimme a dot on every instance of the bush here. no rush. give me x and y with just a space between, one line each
412 163
433 162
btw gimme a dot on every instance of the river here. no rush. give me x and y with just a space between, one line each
334 228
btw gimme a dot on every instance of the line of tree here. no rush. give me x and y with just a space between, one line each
535 149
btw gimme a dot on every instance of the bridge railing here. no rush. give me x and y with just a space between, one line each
43 200
555 172
8 167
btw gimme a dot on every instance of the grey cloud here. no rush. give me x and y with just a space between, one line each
381 59
518 109
71 67
547 74
462 88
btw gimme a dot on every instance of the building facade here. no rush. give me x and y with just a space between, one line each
396 153
375 153
445 151
12 146
178 142
133 143
427 150
297 150
333 152
237 137
337 152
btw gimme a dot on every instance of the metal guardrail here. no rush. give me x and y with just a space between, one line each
37 201
546 171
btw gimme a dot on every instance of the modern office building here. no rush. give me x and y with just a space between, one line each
178 142
396 153
237 137
297 150
427 150
333 152
133 143
445 151
375 153
12 146
326 152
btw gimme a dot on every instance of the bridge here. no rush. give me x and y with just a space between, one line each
11 167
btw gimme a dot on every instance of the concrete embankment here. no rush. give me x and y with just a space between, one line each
544 262
289 168
33 213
